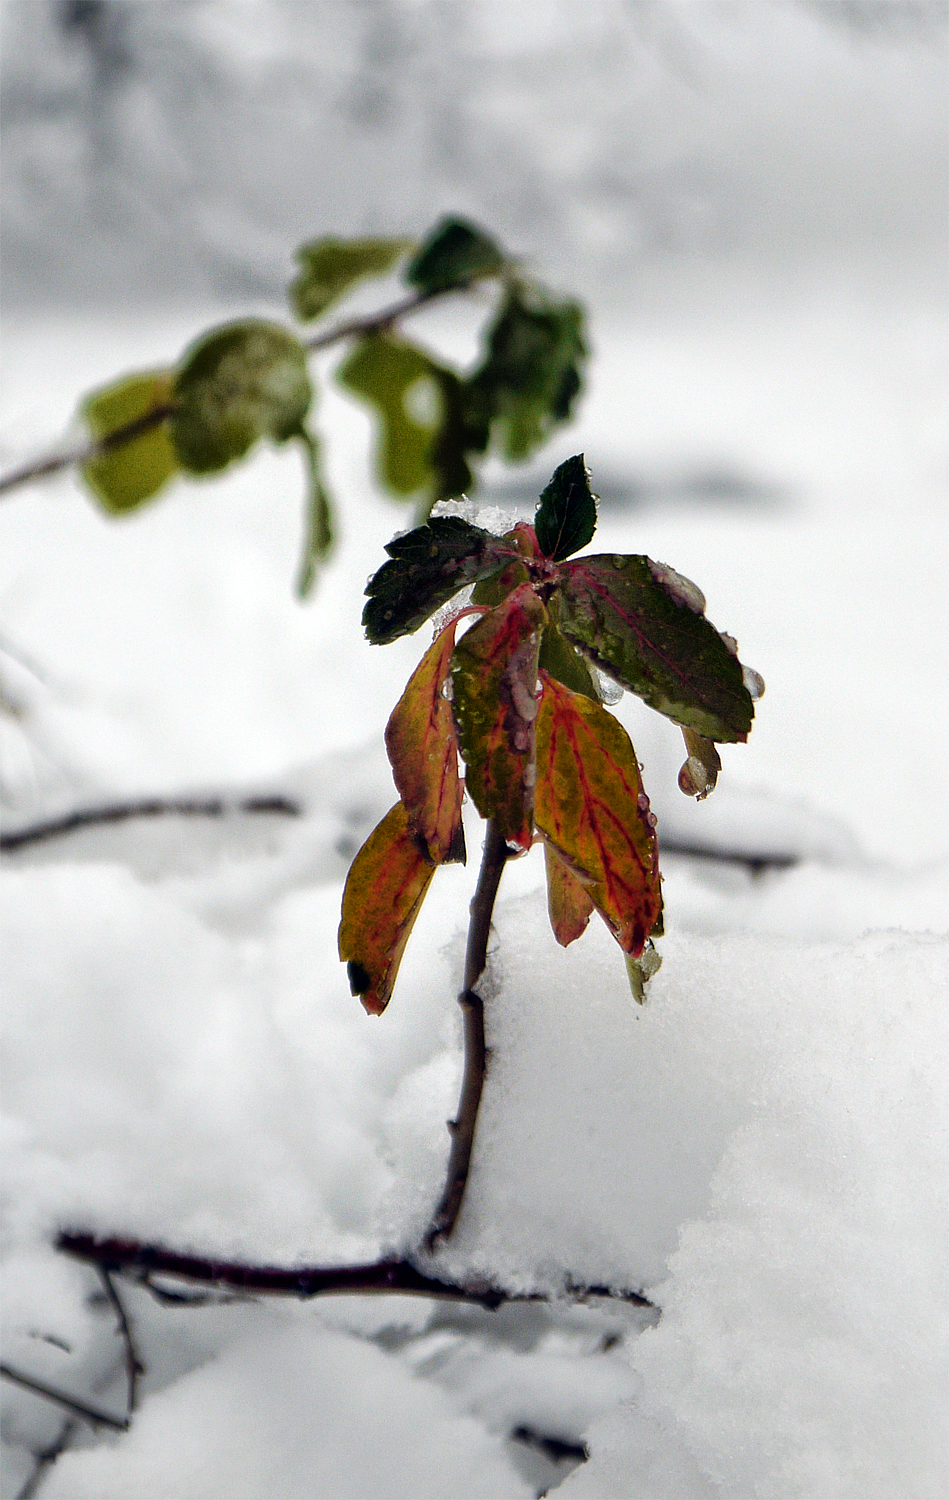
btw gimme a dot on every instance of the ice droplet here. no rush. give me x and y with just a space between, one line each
754 682
608 688
729 642
693 778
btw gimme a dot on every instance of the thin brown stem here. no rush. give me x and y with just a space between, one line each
463 1126
353 328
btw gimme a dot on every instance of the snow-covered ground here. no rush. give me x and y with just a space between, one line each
762 1149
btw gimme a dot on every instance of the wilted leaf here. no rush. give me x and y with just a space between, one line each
494 683
629 620
530 373
388 373
126 476
384 891
319 516
590 806
242 382
454 254
566 515
423 751
568 904
329 267
427 566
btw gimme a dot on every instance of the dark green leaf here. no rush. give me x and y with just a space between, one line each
494 700
242 382
329 267
531 371
642 624
427 566
404 385
124 477
566 515
454 254
319 516
561 659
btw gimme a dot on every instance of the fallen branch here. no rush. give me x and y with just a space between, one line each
141 1262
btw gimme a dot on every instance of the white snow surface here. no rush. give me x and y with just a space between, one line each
761 1149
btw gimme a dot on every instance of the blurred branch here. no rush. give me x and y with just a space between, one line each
94 1414
352 328
149 807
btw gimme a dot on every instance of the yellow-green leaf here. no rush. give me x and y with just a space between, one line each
329 267
403 384
384 891
124 477
590 806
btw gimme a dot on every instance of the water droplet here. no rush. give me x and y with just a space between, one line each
693 778
729 642
754 682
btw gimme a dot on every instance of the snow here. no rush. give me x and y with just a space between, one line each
762 1148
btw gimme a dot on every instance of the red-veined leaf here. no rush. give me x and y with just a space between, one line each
494 687
591 807
568 904
384 891
644 625
423 751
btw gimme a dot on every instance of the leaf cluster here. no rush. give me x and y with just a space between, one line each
248 381
517 698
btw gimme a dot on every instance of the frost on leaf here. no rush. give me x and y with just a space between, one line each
591 808
423 751
427 567
384 891
649 634
494 698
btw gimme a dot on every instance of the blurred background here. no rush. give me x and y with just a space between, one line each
750 195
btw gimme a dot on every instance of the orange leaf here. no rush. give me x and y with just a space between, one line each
568 904
494 685
591 807
423 751
384 891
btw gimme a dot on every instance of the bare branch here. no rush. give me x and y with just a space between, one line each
142 1262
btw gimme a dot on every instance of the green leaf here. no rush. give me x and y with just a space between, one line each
404 385
566 515
456 253
239 383
126 476
329 267
590 806
560 658
494 686
319 516
642 624
383 895
427 567
423 753
531 371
